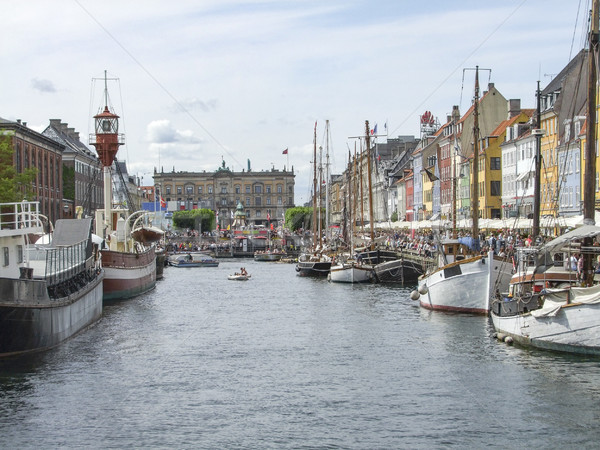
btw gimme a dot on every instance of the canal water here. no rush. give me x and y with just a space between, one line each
282 361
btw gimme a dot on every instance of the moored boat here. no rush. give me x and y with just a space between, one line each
129 264
316 264
51 291
544 307
192 259
269 255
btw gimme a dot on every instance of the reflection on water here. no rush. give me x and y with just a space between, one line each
286 361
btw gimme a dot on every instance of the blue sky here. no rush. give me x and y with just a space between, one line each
205 79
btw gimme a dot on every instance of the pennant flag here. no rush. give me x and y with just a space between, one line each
163 204
285 152
431 176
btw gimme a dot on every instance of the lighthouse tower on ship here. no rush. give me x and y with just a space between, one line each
106 140
128 257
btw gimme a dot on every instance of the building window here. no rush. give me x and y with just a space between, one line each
237 189
247 189
268 200
199 189
179 190
6 259
224 201
189 190
495 163
258 213
495 188
248 213
268 189
19 254
258 189
224 190
210 189
279 189
168 190
247 201
257 201
279 202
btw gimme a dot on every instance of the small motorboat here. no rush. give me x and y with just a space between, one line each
238 277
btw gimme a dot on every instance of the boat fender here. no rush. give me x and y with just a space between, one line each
414 295
508 340
500 336
423 289
328 277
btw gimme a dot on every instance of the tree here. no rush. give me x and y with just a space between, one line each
394 217
196 219
301 217
14 186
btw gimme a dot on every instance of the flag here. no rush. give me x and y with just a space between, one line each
268 216
374 130
285 152
431 176
232 214
163 204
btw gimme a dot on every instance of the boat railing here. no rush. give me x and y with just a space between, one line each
20 217
60 263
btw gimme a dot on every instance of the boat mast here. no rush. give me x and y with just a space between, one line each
475 194
320 194
589 196
362 195
314 221
327 176
368 142
106 139
590 145
535 230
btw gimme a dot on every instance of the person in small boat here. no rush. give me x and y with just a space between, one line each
243 271
189 257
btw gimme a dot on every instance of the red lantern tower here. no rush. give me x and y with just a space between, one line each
106 139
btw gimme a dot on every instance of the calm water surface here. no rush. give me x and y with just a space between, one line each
287 362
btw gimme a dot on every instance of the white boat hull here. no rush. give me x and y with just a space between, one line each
351 273
464 286
574 329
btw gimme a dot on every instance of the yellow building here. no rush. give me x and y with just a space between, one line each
490 165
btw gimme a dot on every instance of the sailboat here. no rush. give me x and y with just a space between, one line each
542 312
315 262
129 265
464 279
352 268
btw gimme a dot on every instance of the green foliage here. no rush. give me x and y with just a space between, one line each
196 219
301 217
14 187
394 217
69 183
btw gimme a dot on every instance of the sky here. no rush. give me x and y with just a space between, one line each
201 81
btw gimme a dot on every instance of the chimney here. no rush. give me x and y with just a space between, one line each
514 107
24 124
19 121
55 123
455 113
70 132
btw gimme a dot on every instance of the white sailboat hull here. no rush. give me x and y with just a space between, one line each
351 273
570 327
464 286
575 329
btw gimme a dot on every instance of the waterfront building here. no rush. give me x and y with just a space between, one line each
557 116
33 149
265 194
492 111
490 159
518 171
82 171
